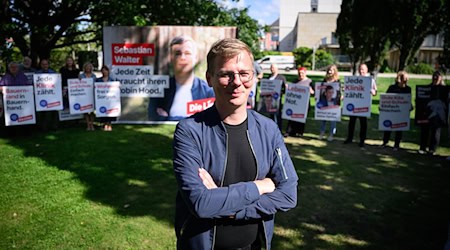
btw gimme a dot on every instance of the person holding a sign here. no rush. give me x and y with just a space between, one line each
231 164
430 132
326 99
184 87
106 78
363 71
275 76
45 67
88 68
14 77
26 66
68 71
293 127
400 86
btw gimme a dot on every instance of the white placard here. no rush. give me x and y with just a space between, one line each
327 110
357 97
81 95
107 99
269 98
48 92
139 81
64 115
296 101
19 105
394 112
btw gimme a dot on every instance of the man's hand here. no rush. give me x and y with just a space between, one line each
265 186
206 179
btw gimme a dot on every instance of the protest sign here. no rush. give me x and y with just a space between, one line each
139 81
270 95
394 112
296 101
107 99
327 101
48 92
425 94
1 104
357 97
81 95
64 115
18 105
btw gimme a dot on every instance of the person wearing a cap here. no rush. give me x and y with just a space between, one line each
430 132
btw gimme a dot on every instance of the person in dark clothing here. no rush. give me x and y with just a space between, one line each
68 71
430 133
231 164
400 86
363 71
275 76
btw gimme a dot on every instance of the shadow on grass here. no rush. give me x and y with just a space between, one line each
348 198
128 169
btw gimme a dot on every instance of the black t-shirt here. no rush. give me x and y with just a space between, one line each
68 74
241 167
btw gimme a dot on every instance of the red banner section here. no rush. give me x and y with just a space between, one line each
131 53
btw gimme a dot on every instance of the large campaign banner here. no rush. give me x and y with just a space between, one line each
107 99
394 112
140 59
357 97
327 101
296 101
139 81
81 95
430 101
47 92
270 96
19 105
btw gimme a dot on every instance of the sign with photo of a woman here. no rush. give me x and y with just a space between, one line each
327 102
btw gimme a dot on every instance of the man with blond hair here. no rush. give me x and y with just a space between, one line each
231 164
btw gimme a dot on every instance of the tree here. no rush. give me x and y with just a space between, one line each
366 29
412 23
38 27
363 31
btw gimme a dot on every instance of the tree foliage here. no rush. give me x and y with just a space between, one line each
38 27
304 57
367 29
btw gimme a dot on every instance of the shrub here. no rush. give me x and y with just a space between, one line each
420 68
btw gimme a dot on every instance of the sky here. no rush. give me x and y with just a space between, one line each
264 11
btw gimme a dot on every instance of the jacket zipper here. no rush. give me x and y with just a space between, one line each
254 155
221 183
280 158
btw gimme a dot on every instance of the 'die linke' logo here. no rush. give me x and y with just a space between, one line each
350 107
387 123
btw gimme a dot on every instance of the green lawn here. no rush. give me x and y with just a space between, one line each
72 189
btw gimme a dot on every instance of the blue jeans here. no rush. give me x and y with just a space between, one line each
332 127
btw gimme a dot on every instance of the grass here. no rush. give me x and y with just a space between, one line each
72 189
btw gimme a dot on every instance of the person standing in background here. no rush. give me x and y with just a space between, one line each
106 78
89 73
400 86
363 71
298 128
68 71
276 76
332 75
26 66
430 133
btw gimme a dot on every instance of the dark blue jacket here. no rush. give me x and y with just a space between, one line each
199 90
200 141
